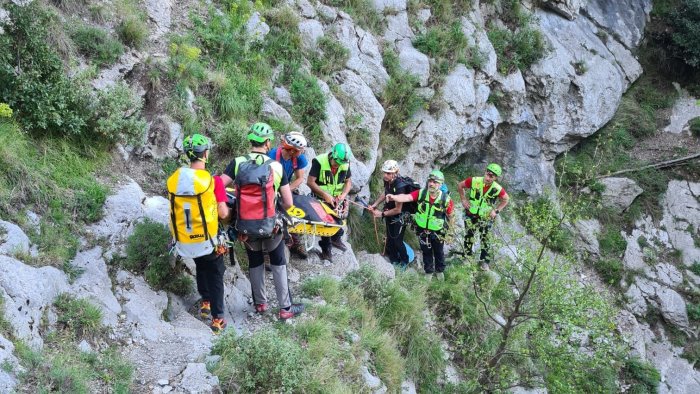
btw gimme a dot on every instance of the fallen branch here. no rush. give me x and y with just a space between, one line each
663 164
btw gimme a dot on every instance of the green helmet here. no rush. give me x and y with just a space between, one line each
436 175
195 143
340 153
260 132
495 168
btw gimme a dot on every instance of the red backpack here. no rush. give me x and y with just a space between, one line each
256 197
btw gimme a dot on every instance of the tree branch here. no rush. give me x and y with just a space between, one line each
663 164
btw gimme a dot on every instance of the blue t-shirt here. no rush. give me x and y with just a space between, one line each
288 164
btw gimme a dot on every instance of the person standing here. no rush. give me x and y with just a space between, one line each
329 180
483 193
260 137
433 217
290 153
392 213
197 203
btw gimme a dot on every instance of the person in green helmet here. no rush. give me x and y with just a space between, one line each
483 199
329 180
261 137
198 203
432 218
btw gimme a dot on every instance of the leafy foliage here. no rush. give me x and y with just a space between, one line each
96 44
685 23
133 31
146 252
309 104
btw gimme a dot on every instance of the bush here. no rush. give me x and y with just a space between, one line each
642 375
332 57
685 23
94 43
147 252
363 13
693 311
611 241
694 125
118 116
399 98
32 79
309 105
611 270
133 31
78 316
263 362
517 50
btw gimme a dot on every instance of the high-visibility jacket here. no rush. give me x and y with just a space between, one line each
194 219
329 183
432 216
480 203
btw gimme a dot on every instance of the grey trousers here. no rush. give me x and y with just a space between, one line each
275 248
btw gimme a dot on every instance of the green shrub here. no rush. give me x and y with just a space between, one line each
611 241
695 268
693 311
265 361
332 57
231 137
611 270
399 98
517 50
32 79
94 43
78 316
309 105
363 13
691 352
118 116
685 24
641 373
694 125
147 252
283 42
133 31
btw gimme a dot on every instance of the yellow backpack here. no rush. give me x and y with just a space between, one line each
194 221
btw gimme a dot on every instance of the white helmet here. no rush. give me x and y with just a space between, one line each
294 140
390 166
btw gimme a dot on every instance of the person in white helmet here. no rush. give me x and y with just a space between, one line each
290 153
395 226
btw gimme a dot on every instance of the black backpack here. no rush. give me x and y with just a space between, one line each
406 185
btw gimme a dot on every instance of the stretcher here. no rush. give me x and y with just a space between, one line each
313 217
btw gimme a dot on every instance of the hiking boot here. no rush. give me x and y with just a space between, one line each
440 276
326 255
205 310
299 250
218 325
338 244
292 311
260 308
484 266
429 276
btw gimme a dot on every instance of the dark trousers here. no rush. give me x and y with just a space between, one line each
210 281
474 224
325 242
433 250
395 248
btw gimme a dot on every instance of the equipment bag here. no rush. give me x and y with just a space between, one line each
406 185
255 198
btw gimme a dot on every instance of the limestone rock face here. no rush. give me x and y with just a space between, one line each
682 218
8 379
619 193
28 292
626 18
159 11
95 285
12 239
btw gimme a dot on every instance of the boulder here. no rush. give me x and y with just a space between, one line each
378 262
632 332
681 218
327 14
283 97
306 9
95 285
673 308
256 28
665 273
12 239
143 307
671 305
586 232
121 210
270 109
389 5
163 138
398 31
624 19
157 209
684 109
416 63
108 77
311 30
27 293
619 193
